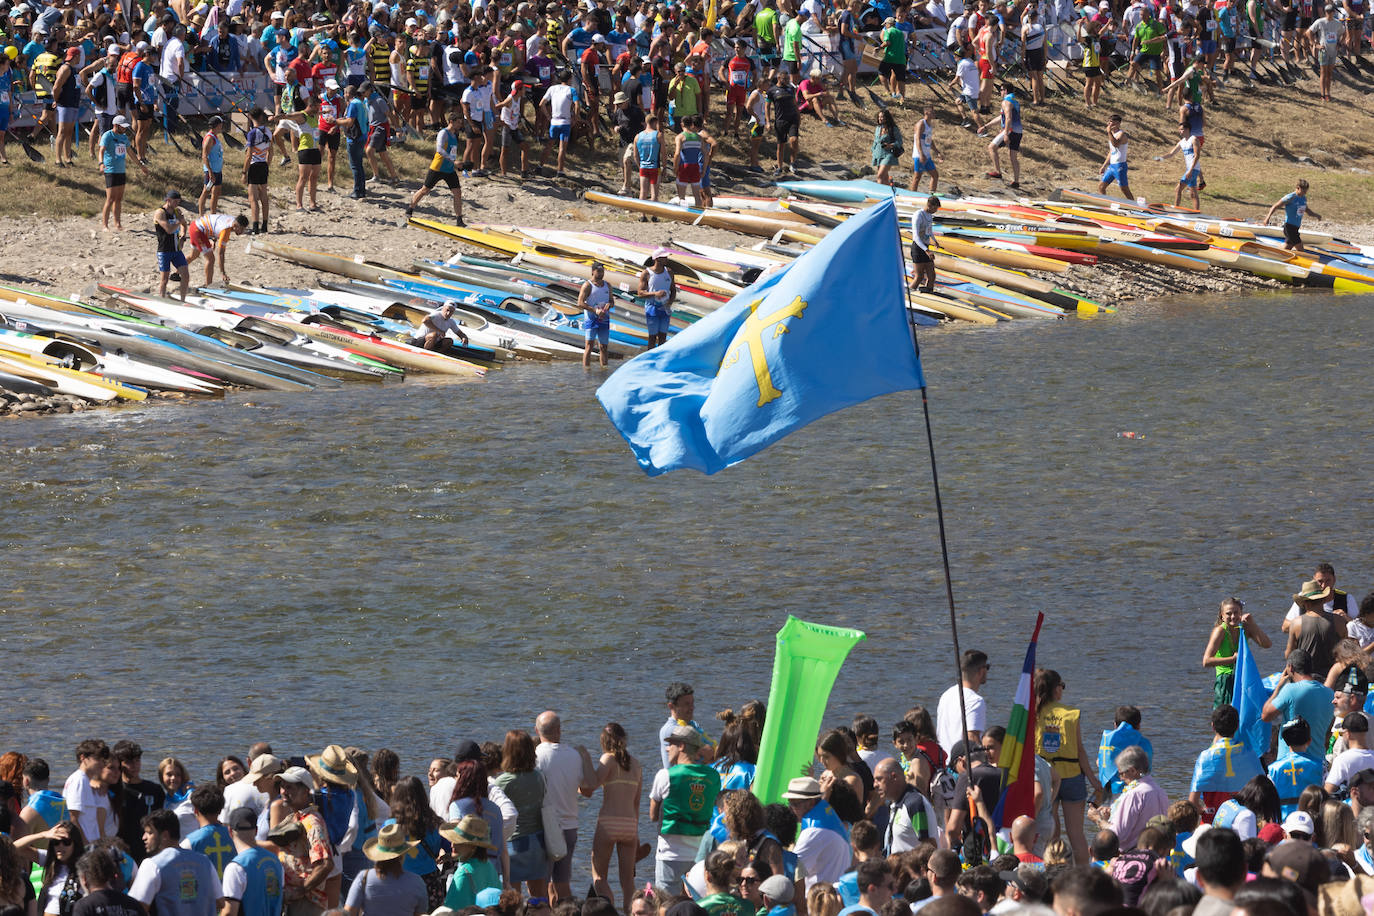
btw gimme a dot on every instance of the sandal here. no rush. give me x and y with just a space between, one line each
993 175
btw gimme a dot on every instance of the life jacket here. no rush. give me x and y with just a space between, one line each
124 71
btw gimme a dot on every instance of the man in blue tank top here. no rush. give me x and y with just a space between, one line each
253 880
174 881
44 808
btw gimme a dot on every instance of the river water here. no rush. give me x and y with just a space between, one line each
406 566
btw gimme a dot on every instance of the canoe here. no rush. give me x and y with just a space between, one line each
47 371
953 308
91 357
1133 252
748 223
394 352
1020 260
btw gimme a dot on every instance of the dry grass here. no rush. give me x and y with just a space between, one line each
1259 141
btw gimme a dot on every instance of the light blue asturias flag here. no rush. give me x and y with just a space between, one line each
826 332
1249 698
1114 741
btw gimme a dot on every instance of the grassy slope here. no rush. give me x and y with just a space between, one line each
1256 139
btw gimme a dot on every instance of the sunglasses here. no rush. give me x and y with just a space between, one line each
62 841
744 879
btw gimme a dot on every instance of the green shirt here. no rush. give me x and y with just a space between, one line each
684 94
725 905
791 40
691 799
894 46
766 25
1150 36
472 876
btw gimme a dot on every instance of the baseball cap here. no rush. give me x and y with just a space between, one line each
685 735
172 194
121 121
73 53
1299 822
517 86
1300 862
331 83
278 14
242 819
299 775
467 749
141 47
598 39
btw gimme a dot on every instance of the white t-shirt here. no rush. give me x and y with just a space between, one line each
1347 763
173 59
560 99
967 72
947 730
49 903
235 881
243 794
478 100
81 798
953 8
148 881
510 115
674 847
561 767
441 793
825 854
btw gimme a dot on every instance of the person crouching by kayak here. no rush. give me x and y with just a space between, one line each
432 333
595 301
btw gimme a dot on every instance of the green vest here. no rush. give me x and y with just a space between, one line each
691 800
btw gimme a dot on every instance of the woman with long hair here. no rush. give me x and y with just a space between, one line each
524 786
1059 739
1256 804
386 771
1338 830
15 888
1232 625
745 821
60 889
176 782
737 752
411 812
228 771
621 778
834 751
472 796
887 146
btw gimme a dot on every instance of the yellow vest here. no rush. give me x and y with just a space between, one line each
1056 738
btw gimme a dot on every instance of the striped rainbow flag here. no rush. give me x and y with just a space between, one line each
1018 748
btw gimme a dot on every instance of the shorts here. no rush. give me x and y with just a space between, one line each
474 131
923 165
378 137
143 112
1190 180
736 95
166 260
68 115
1328 57
104 122
985 68
789 66
706 178
1147 61
1208 47
1073 789
330 141
1092 72
1229 42
1224 689
5 119
657 324
787 128
124 96
257 173
116 179
919 255
670 872
651 174
561 871
212 179
511 137
1118 172
755 128
848 51
488 120
560 132
689 173
1292 234
887 68
528 861
1010 140
355 79
433 177
308 156
1035 59
199 240
602 335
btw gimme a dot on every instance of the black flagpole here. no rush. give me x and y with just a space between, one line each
939 505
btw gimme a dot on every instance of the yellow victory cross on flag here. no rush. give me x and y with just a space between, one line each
750 336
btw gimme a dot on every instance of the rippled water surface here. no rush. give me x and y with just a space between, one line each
410 565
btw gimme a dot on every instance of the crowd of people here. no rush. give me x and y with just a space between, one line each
506 86
880 829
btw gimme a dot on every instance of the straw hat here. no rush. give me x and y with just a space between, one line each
471 829
391 842
1313 591
332 765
